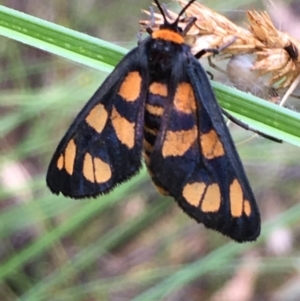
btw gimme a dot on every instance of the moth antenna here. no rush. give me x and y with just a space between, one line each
161 11
182 11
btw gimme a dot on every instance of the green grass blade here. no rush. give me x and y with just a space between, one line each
89 209
77 235
81 48
59 40
215 260
264 116
113 238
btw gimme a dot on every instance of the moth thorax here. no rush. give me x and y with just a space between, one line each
161 56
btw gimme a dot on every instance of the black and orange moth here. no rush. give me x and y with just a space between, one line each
158 103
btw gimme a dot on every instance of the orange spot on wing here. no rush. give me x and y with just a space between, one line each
123 128
95 169
102 170
60 162
168 35
70 154
131 86
158 89
97 118
236 199
193 193
88 168
212 199
211 145
154 110
184 99
178 142
247 208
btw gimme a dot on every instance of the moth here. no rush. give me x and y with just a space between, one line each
158 105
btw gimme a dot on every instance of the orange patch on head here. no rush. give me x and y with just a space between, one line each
88 168
184 99
97 118
158 89
236 199
123 128
212 199
193 193
247 208
168 35
131 86
178 142
60 162
211 145
102 171
154 110
70 154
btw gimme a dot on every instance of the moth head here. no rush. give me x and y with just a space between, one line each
174 25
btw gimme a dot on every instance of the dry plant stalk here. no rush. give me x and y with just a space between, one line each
280 56
276 52
211 30
216 30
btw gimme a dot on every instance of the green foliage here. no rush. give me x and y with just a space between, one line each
131 243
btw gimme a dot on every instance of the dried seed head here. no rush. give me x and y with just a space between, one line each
218 30
280 54
277 53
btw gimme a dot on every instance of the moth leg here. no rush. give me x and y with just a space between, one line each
190 23
148 28
215 50
152 21
211 76
139 37
248 128
214 66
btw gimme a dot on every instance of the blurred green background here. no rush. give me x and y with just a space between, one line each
132 244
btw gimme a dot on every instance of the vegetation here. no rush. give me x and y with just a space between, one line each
132 244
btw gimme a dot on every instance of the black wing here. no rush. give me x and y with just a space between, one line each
195 161
102 147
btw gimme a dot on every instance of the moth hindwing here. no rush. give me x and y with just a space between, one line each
158 103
